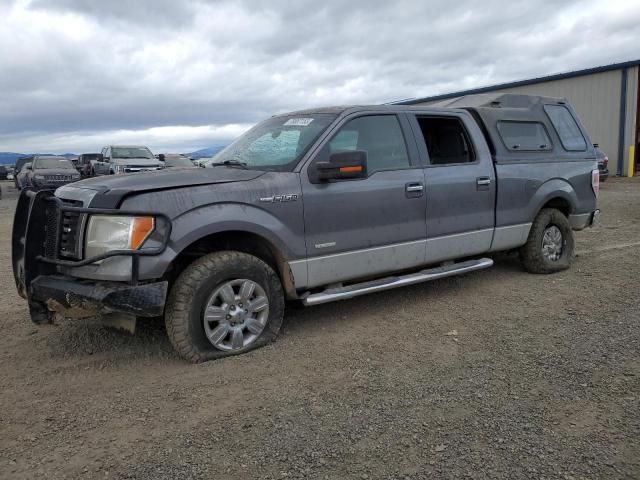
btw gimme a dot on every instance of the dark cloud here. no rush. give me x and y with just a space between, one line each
94 70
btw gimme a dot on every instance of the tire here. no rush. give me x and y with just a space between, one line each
532 254
194 292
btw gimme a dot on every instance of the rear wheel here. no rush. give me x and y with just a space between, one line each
224 303
550 245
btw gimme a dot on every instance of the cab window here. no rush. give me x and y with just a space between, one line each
378 135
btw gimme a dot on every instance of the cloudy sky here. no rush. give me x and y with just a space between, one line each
179 75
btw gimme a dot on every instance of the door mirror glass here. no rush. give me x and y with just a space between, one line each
343 165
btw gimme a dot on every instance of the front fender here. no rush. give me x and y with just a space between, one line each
227 217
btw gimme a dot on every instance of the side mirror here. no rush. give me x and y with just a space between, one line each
161 157
350 164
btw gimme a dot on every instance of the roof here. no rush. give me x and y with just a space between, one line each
354 108
520 83
494 100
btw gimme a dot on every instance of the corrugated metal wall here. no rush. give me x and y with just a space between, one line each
596 98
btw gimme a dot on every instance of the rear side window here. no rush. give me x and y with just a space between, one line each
447 140
567 128
525 136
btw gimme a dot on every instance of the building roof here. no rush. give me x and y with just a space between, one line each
520 83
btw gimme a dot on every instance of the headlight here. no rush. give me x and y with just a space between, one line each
106 233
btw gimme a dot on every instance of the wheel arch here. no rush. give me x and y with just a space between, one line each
241 240
556 193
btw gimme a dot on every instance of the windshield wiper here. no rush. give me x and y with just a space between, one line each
231 163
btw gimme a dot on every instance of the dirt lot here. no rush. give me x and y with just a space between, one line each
542 380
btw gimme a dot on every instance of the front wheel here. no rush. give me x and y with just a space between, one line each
224 303
550 245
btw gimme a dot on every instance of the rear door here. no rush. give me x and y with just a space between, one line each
460 185
369 226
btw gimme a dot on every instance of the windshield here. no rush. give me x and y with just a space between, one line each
52 162
275 144
131 152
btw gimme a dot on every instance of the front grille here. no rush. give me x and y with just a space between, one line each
62 231
58 178
133 169
70 231
51 230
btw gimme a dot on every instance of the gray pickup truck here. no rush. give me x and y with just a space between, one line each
314 206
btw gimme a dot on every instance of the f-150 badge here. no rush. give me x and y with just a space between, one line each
288 197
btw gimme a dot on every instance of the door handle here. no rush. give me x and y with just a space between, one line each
413 189
483 183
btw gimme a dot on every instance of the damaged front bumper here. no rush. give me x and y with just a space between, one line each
73 297
42 224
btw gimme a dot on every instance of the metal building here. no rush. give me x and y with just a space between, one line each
606 99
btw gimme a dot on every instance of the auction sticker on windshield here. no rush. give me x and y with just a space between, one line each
298 122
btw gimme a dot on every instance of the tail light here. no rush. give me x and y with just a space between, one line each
595 181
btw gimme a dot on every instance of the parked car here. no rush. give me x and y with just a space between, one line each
92 164
20 162
129 159
176 160
603 163
314 206
47 172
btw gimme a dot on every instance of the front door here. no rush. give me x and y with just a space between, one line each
366 227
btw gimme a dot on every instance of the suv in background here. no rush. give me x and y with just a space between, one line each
20 162
47 172
92 164
603 163
130 158
176 160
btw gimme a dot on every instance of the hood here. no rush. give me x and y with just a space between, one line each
109 190
146 162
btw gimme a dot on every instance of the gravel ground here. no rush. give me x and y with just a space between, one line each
496 374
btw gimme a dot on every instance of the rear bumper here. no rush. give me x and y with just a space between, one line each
81 298
584 220
604 174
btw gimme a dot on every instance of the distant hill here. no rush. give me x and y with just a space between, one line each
205 152
9 158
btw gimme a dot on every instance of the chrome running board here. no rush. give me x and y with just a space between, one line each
343 293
